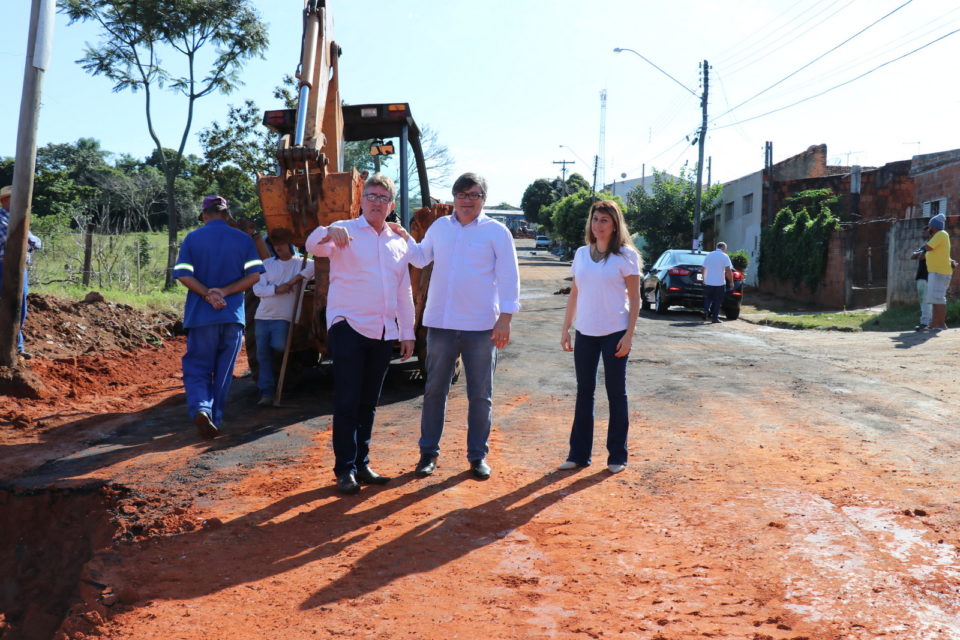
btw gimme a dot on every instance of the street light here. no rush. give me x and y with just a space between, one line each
701 137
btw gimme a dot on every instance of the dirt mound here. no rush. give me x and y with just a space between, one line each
60 328
90 358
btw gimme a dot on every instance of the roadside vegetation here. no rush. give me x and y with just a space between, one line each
901 318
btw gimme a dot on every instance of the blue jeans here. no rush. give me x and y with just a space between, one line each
587 351
23 306
479 362
271 336
208 367
359 367
713 299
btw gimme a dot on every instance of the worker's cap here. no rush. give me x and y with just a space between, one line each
6 192
938 222
214 204
280 236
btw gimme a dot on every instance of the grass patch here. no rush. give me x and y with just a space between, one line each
832 321
901 318
152 301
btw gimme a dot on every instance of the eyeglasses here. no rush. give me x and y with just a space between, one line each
372 197
468 196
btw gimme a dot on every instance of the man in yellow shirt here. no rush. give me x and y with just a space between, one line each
940 270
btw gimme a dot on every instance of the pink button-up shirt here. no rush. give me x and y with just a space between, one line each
369 280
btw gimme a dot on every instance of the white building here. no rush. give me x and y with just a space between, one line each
737 221
623 187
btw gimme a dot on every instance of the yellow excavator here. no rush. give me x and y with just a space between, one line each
311 187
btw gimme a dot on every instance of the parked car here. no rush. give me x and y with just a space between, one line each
676 278
542 242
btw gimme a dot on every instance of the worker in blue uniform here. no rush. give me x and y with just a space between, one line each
217 263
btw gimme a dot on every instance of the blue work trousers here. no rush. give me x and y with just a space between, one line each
208 367
271 337
587 351
713 300
479 355
23 306
359 368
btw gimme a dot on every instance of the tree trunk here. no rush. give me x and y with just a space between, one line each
172 226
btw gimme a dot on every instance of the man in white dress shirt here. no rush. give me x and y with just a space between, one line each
474 292
369 306
277 290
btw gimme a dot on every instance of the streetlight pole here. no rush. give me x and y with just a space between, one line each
701 137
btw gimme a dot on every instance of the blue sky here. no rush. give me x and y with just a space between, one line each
506 83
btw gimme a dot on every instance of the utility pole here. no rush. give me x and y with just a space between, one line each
596 161
563 172
702 139
39 43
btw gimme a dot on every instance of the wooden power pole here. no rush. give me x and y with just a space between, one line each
39 43
702 139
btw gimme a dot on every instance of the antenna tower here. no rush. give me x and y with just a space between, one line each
601 154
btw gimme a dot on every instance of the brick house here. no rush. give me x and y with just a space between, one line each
870 201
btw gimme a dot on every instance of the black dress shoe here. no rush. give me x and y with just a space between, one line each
366 475
347 483
205 426
480 469
426 466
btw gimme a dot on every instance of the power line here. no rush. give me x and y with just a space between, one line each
842 84
765 54
745 51
820 57
905 40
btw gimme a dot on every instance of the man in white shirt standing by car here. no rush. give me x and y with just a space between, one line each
369 307
717 276
474 292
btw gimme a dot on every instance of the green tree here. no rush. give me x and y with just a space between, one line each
540 193
6 171
665 218
794 248
568 216
134 38
242 142
576 182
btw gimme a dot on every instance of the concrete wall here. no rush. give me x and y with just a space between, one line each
904 237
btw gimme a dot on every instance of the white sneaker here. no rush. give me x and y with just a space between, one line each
616 468
265 401
568 465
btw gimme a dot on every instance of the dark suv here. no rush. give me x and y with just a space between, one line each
676 278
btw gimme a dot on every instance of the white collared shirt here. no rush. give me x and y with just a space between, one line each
475 273
274 306
369 280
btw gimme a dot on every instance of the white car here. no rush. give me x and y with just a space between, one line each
542 242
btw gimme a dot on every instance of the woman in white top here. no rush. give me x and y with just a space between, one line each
605 300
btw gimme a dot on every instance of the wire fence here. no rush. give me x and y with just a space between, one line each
133 262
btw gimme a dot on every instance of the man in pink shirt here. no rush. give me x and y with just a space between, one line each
369 306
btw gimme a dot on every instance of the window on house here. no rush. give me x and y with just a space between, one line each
728 211
747 204
934 207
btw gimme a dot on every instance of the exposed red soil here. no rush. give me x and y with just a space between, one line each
91 359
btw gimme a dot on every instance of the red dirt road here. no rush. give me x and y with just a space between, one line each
781 485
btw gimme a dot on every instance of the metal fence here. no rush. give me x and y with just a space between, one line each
126 262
